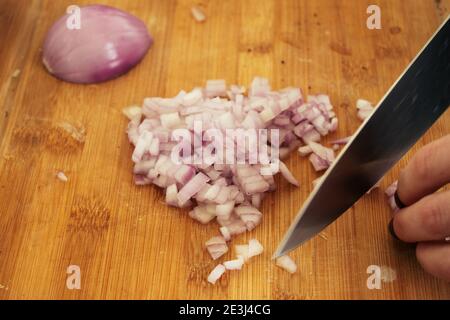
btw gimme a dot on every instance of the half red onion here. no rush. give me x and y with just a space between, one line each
108 43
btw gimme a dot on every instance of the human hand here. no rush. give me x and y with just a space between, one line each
425 216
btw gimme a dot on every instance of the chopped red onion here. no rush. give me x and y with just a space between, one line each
62 176
234 264
198 14
228 193
390 193
217 247
321 157
216 273
192 187
249 215
225 233
171 195
132 112
342 140
202 214
288 175
287 264
215 88
305 150
365 109
254 248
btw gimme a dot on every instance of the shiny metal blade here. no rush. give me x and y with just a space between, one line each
418 98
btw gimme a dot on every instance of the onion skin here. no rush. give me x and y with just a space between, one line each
109 43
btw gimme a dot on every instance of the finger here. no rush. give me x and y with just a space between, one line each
426 220
434 257
427 172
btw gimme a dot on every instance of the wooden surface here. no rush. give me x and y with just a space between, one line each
127 243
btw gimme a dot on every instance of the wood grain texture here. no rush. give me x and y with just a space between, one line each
128 244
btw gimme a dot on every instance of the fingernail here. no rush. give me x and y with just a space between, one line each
398 202
391 230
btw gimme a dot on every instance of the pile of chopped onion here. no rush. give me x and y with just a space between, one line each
230 194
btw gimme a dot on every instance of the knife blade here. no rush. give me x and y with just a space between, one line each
415 101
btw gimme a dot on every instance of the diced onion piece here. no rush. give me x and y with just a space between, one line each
225 210
364 114
259 87
235 226
198 14
318 163
212 192
390 191
365 109
215 88
267 114
326 154
202 215
305 150
217 247
288 175
311 136
287 264
62 176
216 273
234 264
362 104
225 233
192 97
249 215
342 140
184 174
192 187
142 146
334 124
154 147
254 248
171 195
227 121
170 120
132 112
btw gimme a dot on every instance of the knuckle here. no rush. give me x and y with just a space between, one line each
422 163
439 268
433 219
401 228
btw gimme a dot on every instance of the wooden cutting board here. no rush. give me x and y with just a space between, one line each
127 243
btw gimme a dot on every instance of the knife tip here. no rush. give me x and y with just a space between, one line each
278 253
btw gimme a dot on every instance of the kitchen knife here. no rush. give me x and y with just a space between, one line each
418 98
